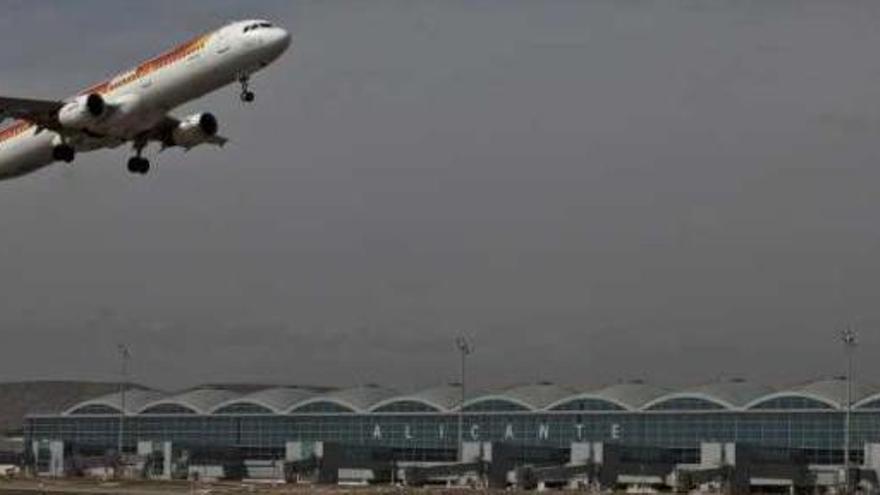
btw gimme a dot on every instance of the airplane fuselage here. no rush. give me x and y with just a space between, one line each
143 96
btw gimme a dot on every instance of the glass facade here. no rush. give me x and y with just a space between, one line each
423 435
92 409
686 404
169 409
874 404
791 402
243 408
588 405
405 406
495 405
323 407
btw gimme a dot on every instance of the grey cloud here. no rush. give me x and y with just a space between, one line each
595 190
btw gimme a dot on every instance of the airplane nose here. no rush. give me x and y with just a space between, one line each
281 39
271 43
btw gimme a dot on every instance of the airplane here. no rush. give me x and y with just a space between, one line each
133 107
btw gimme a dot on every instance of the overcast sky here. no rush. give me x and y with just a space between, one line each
595 191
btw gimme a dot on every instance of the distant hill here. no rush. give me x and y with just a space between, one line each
21 398
246 388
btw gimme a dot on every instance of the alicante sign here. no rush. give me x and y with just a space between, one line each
509 432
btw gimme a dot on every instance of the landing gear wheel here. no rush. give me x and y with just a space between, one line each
64 153
138 165
247 95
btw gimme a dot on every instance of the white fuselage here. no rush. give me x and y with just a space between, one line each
143 97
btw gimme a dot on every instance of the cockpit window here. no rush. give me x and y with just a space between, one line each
258 25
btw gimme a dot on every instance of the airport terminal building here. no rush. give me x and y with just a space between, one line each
650 431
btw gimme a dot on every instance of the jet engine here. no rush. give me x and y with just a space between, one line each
82 112
194 130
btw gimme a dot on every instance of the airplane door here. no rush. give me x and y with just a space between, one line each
224 43
146 81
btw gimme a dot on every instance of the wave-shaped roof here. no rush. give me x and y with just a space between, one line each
627 396
135 400
870 402
540 395
631 395
731 394
199 400
357 399
442 398
831 391
835 390
533 397
277 399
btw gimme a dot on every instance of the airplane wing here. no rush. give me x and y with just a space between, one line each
43 113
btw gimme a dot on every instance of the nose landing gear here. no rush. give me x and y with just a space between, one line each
247 95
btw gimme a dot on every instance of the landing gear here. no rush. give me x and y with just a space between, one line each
247 95
138 165
64 153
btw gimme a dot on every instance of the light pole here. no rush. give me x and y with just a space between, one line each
850 341
465 348
124 356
